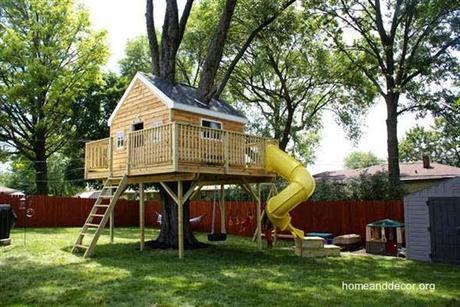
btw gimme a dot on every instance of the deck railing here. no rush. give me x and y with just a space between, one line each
97 155
150 147
180 145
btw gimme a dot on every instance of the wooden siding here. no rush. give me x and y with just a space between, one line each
195 119
141 105
417 219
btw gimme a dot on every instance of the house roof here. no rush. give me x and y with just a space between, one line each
182 97
409 171
386 223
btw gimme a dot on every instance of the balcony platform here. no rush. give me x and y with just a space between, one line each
184 152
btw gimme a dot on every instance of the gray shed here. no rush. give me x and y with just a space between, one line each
432 220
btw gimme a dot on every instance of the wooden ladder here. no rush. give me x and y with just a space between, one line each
100 214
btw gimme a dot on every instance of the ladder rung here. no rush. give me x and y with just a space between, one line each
80 246
106 196
102 206
97 215
92 225
111 187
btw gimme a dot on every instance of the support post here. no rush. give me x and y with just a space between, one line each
259 218
222 209
111 222
142 215
110 156
112 219
180 219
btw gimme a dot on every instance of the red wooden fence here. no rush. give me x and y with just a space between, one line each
337 217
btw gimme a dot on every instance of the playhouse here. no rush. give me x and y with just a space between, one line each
160 132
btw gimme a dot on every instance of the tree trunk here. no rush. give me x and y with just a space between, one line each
41 170
152 37
169 42
168 237
215 51
392 139
286 134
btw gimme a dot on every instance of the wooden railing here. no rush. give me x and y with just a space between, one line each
150 147
215 147
97 155
178 146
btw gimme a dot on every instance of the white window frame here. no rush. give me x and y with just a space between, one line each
206 135
120 140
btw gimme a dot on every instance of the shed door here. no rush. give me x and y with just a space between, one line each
445 229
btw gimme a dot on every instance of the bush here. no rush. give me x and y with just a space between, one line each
366 187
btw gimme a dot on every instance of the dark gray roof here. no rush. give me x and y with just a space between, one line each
185 94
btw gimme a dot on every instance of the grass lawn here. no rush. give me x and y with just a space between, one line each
44 272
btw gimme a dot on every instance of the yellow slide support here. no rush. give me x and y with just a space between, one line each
301 186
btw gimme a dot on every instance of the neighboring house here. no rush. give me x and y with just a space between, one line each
10 191
415 176
432 220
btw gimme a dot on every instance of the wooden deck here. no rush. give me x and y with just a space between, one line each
179 151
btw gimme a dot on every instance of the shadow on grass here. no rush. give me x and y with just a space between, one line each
224 274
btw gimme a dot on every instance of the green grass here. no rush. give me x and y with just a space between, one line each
44 272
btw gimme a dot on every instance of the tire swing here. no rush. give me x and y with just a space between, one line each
222 236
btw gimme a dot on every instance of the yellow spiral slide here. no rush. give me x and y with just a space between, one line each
301 186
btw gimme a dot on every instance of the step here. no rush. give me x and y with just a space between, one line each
106 196
96 215
307 243
111 187
92 225
102 206
80 246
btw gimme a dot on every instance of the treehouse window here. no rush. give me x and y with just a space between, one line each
120 139
212 134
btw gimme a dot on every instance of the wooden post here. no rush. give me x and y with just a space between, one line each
226 152
259 218
111 227
175 146
141 215
128 158
222 209
399 235
180 219
110 157
112 219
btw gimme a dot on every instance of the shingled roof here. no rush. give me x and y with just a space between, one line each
183 97
409 171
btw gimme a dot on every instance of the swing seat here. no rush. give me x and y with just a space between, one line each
217 237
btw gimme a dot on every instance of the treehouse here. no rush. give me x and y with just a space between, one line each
160 133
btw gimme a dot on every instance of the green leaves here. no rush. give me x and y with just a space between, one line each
49 57
359 159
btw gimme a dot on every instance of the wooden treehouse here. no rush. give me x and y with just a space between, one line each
162 133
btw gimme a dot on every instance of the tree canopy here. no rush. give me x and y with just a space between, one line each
358 159
405 48
45 63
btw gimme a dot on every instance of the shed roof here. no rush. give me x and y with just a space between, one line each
182 97
386 223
